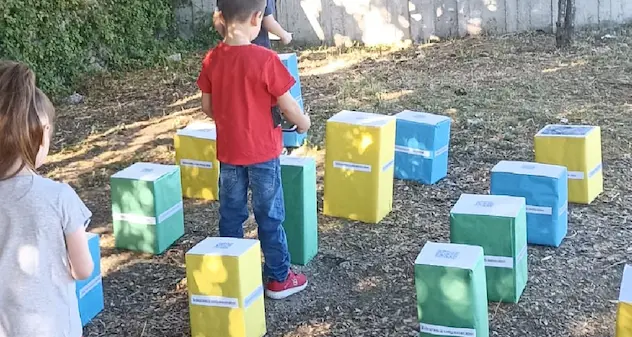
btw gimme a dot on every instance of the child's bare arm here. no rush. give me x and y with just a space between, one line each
272 26
207 106
292 112
81 265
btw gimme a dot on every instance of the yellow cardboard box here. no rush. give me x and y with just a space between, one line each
197 157
360 153
578 147
624 310
225 288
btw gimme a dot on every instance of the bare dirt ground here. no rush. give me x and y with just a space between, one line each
499 92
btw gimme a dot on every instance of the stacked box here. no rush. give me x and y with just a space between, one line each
624 308
291 138
578 148
298 176
545 188
421 146
147 207
360 151
196 154
451 290
225 288
90 290
499 225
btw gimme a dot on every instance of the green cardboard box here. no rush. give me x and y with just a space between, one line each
451 291
499 225
298 175
147 209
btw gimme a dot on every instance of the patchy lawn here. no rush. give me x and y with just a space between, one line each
499 93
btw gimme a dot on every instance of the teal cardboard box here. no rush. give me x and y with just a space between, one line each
147 209
298 176
499 225
451 290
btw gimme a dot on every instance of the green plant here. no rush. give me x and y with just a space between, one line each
65 39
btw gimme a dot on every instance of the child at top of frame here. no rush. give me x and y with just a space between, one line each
43 247
240 82
268 24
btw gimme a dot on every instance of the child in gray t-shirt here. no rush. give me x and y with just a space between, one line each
43 246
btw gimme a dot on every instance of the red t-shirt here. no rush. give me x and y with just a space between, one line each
244 83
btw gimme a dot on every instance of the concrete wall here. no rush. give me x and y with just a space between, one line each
389 21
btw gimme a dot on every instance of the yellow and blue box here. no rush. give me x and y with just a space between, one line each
624 308
225 288
578 148
359 165
90 290
291 138
196 154
421 146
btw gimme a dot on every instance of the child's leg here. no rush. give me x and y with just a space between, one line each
269 210
233 200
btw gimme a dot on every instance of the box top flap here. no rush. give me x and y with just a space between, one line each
145 171
222 246
422 117
529 168
493 205
199 129
296 161
449 255
561 130
286 56
361 118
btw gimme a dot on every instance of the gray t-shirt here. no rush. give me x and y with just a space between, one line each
37 290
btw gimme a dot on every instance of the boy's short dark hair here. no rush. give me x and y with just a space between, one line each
240 10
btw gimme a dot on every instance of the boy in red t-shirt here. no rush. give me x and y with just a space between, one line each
240 82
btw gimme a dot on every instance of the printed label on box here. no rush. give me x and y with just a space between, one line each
539 210
352 166
254 295
90 285
196 163
504 261
215 301
388 165
439 330
413 151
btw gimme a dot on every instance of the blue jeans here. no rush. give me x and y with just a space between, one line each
264 180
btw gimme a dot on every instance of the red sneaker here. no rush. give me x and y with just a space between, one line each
293 284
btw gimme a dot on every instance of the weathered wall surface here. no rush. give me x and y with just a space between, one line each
389 21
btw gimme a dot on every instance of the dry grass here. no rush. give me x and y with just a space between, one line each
499 92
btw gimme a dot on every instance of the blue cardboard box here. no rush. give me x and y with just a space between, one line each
421 146
90 291
545 188
290 137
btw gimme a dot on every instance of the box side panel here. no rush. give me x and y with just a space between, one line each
351 171
199 168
